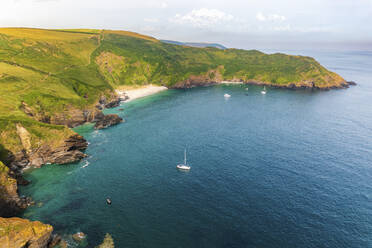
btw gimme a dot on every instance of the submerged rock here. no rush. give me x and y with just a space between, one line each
17 232
107 121
78 237
108 242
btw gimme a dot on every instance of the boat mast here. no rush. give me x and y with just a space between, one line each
185 156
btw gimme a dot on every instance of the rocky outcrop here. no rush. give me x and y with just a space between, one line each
10 202
75 117
72 116
24 136
107 121
17 232
112 103
108 242
212 77
79 236
70 151
55 240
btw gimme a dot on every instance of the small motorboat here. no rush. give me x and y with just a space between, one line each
184 166
108 201
227 95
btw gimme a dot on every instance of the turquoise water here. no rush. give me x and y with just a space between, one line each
286 169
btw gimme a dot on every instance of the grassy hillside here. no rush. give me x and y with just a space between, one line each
194 44
53 71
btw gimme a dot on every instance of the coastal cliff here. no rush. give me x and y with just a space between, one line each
214 77
17 232
10 202
54 80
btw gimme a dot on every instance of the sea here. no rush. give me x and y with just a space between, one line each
291 168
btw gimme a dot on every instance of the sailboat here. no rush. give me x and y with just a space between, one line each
264 90
184 166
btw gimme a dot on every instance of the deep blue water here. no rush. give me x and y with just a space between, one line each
286 169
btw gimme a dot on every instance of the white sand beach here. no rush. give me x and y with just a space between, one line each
135 93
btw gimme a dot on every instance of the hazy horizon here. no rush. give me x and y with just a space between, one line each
250 24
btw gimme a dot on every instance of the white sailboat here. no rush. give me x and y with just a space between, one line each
184 166
264 90
227 95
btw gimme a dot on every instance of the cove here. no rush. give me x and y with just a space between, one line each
285 169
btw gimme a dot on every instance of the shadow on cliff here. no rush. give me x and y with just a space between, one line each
5 155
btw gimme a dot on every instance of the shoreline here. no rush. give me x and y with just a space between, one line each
135 93
291 86
132 93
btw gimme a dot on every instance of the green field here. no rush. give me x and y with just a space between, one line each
53 71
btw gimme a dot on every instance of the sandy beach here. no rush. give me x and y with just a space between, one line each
135 93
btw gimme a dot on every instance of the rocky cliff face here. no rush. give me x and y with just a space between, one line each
70 151
73 117
10 202
212 77
17 232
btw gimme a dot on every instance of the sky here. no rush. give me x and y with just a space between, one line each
244 24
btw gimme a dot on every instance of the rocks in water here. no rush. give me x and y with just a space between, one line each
107 121
17 232
63 244
114 103
108 242
97 116
55 240
79 236
351 83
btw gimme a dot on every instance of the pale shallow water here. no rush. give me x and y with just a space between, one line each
286 169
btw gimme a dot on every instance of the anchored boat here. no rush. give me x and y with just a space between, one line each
184 166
